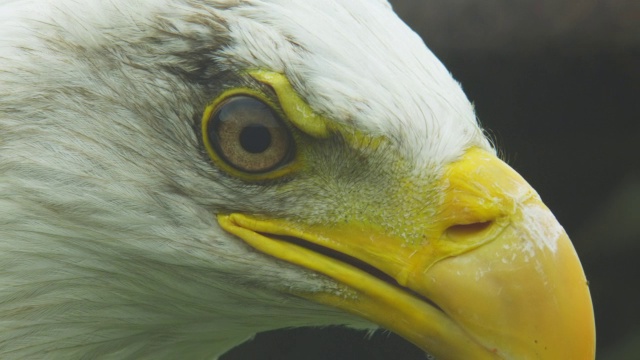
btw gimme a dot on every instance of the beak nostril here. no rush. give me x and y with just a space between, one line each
466 230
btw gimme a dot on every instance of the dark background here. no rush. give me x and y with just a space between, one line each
557 83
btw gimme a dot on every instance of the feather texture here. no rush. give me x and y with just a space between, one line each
108 243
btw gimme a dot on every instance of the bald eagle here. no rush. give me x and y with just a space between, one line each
177 175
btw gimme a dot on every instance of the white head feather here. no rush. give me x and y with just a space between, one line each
108 242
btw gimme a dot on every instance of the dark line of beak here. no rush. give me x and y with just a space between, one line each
350 260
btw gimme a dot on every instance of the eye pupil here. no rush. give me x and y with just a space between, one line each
255 138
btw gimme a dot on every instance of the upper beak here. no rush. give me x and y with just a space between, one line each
493 275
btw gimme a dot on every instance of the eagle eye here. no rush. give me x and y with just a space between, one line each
248 134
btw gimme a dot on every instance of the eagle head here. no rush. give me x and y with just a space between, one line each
177 175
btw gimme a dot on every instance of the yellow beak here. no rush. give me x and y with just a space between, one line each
492 275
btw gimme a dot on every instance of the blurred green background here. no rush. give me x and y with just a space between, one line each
557 84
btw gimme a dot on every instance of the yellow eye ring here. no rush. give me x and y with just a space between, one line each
245 136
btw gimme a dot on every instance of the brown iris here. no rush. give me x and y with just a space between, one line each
249 135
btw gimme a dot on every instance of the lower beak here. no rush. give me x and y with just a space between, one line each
494 276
